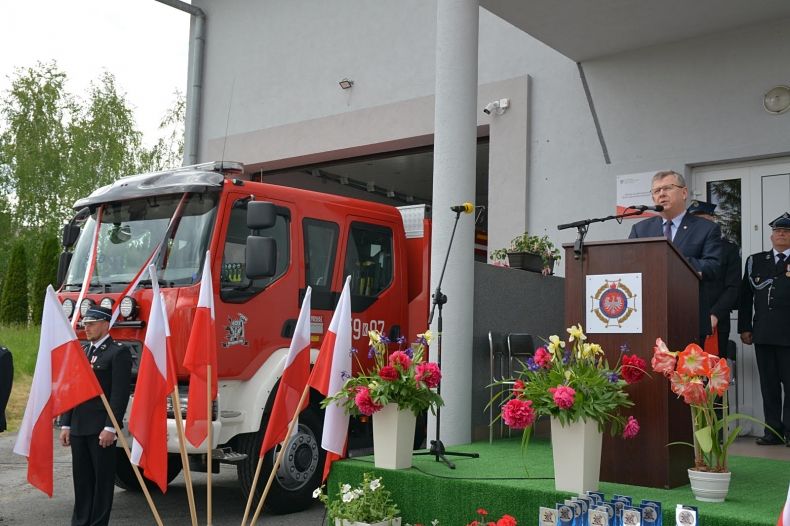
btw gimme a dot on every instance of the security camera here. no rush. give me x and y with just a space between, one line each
491 106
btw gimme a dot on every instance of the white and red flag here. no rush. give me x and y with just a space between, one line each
200 354
784 518
63 379
330 372
293 381
148 417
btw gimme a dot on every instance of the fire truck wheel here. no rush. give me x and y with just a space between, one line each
299 473
125 478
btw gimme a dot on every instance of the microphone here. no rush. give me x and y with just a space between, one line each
466 208
643 208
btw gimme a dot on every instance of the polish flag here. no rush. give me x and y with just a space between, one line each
148 417
784 518
201 352
63 379
329 374
293 381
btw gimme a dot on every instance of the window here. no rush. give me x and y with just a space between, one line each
320 245
369 259
234 285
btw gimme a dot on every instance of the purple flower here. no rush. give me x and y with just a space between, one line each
613 377
371 352
566 357
531 365
401 340
352 352
345 375
409 352
624 348
422 341
385 340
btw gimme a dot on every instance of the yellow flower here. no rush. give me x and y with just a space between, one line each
555 344
595 349
374 336
576 333
426 335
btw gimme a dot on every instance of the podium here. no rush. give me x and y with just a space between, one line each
669 305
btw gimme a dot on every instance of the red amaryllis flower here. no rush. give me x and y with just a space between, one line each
389 373
631 428
518 387
506 520
482 511
692 361
401 360
678 383
694 393
663 361
518 414
429 374
633 368
719 376
542 357
563 396
365 403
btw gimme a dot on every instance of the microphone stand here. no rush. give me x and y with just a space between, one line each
578 246
439 299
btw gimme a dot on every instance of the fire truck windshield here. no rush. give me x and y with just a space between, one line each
130 232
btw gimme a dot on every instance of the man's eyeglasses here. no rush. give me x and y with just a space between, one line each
665 188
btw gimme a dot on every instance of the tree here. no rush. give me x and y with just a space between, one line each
13 299
46 274
168 152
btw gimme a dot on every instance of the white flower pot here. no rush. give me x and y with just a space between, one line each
709 487
344 522
393 437
576 449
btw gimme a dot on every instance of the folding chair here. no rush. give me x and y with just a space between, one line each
498 366
519 347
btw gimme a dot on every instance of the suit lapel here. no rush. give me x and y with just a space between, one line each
680 235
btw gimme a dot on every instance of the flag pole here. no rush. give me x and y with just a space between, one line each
279 457
252 490
209 440
183 450
125 445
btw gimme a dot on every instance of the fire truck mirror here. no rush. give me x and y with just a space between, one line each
70 234
63 266
260 215
260 259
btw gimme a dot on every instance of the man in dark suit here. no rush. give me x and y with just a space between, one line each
6 381
724 291
697 239
88 428
765 291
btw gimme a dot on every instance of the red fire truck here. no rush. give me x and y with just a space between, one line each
267 244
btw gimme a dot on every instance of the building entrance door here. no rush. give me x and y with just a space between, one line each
748 196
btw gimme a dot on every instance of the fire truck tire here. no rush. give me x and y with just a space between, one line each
299 473
126 479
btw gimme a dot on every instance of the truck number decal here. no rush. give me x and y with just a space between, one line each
360 328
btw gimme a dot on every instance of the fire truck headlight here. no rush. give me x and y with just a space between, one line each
86 304
128 307
107 303
68 307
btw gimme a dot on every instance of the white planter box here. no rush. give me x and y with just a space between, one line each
576 449
393 437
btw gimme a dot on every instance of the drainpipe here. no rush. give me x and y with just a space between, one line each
195 80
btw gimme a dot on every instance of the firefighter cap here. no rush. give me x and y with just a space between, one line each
701 207
781 223
97 313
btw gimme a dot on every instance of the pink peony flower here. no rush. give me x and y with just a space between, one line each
633 368
365 403
389 373
400 359
542 357
429 374
518 387
518 414
563 396
506 520
631 428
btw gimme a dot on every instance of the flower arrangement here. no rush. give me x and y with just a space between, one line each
482 513
369 502
401 376
573 381
702 379
525 242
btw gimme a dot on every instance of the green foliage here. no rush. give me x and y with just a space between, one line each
168 152
525 242
46 274
369 502
23 343
13 299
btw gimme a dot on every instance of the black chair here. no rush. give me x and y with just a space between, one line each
498 368
519 348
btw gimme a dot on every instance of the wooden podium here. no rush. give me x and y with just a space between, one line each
669 305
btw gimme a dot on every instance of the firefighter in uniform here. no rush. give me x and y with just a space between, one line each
88 428
765 291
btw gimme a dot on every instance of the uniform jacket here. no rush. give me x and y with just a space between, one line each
699 240
113 369
725 292
6 380
766 291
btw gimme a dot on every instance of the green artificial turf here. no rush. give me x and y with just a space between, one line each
504 480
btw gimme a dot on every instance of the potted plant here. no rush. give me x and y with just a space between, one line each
401 385
702 380
574 385
369 504
535 253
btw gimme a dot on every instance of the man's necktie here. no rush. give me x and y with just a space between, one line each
781 264
668 230
91 350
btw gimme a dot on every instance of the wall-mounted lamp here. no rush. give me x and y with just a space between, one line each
498 106
346 83
777 100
